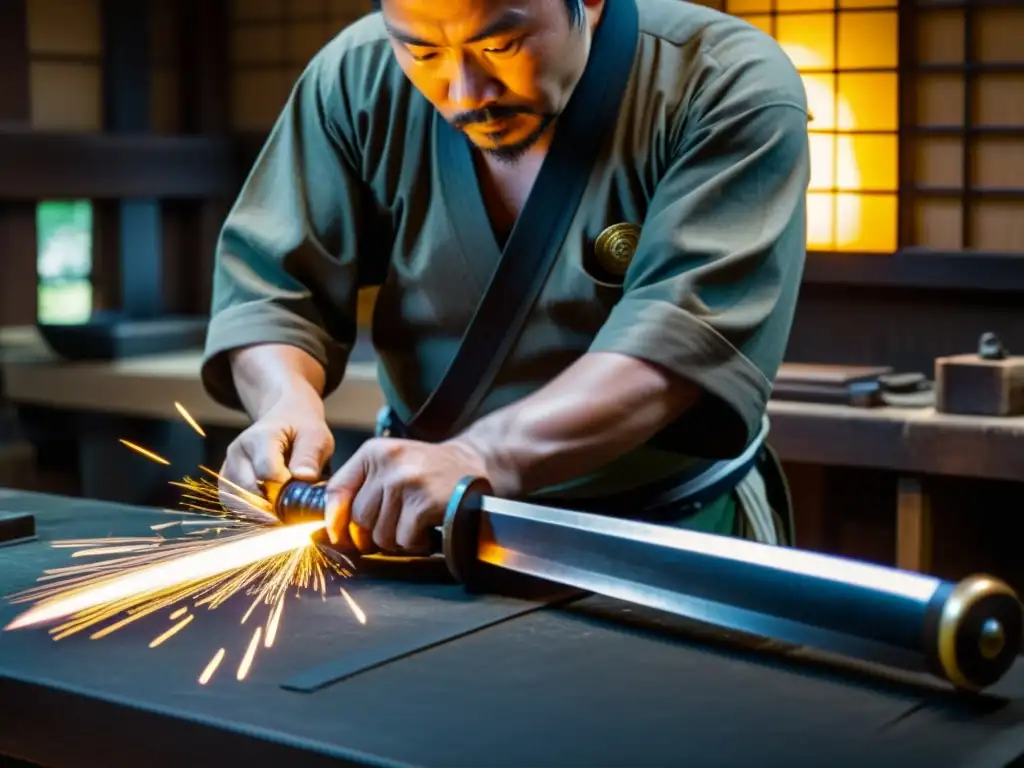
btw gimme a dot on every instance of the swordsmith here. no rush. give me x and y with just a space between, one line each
967 633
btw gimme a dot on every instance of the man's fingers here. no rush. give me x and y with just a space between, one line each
411 530
337 515
266 452
384 530
310 451
237 479
366 506
342 489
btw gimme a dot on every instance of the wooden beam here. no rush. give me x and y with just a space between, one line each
919 269
42 164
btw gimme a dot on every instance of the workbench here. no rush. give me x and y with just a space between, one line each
916 443
438 677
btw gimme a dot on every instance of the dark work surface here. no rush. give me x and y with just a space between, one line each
596 683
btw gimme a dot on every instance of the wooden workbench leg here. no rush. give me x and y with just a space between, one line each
913 526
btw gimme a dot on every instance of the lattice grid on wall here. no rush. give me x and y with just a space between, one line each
963 124
271 43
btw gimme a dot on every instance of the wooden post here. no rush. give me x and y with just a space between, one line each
18 273
204 98
127 91
913 526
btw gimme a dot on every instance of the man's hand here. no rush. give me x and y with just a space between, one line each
290 440
397 490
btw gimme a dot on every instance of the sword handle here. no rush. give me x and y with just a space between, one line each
298 501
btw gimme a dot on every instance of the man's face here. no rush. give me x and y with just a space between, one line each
499 70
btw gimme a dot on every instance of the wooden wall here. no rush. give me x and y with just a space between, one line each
945 144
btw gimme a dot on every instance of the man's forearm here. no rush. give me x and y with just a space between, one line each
265 372
600 408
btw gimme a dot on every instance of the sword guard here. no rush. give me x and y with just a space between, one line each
461 541
462 531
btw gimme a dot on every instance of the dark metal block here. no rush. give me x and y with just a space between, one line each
16 527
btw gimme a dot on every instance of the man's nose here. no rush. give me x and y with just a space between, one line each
470 86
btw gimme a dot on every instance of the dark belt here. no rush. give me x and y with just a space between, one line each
673 499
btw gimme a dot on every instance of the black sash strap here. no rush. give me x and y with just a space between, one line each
681 496
532 248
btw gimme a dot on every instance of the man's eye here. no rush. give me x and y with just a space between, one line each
421 55
508 48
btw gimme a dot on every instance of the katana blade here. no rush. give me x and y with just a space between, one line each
968 633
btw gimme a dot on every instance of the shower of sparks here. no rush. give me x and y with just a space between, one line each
237 548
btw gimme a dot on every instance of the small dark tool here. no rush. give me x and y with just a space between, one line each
968 633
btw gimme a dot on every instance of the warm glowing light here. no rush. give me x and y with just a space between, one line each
847 62
832 156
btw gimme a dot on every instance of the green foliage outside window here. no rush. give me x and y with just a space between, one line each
64 261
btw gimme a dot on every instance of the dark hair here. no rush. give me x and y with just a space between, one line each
574 7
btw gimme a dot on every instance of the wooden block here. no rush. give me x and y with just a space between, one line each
972 385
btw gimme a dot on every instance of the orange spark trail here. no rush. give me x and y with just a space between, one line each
188 418
142 451
211 667
191 567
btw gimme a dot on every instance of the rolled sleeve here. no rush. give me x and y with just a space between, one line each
285 269
735 390
711 291
264 322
